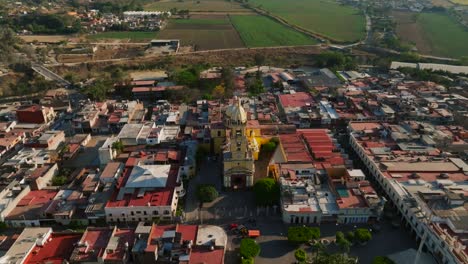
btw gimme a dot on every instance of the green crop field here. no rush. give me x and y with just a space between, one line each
211 32
260 31
325 17
199 5
444 34
132 35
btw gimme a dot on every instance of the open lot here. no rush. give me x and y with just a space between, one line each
200 5
260 31
124 35
433 33
44 38
210 32
325 17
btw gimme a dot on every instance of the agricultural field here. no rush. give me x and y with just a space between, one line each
460 2
260 31
134 36
433 33
211 32
196 6
325 17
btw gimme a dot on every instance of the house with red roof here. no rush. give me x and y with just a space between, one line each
148 191
179 243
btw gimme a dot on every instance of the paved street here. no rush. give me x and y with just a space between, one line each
208 173
276 249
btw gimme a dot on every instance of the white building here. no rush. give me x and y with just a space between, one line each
106 152
428 183
150 192
29 238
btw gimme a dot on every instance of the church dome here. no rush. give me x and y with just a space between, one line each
236 112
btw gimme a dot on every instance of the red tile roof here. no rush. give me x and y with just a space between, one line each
299 99
94 241
125 236
156 232
201 255
37 197
58 248
189 232
158 197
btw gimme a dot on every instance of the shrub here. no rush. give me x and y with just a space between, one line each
362 235
382 260
300 255
269 146
342 241
350 236
302 234
206 193
339 236
247 261
249 248
59 180
266 191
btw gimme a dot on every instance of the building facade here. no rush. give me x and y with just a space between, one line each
238 152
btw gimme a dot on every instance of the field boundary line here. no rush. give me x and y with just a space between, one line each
237 30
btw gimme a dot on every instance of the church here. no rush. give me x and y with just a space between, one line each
239 149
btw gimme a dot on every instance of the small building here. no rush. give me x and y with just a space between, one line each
35 114
52 139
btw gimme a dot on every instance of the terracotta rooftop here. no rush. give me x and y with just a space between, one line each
58 248
299 99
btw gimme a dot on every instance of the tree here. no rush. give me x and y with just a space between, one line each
350 236
270 146
266 191
247 261
362 235
218 92
259 60
118 146
341 241
249 249
382 260
117 75
302 234
186 78
228 78
99 90
300 255
59 180
255 86
206 193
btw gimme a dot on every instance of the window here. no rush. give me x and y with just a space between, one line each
132 213
110 215
138 212
219 133
155 212
166 212
144 212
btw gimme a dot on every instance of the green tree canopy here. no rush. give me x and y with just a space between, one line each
266 191
249 249
362 235
206 193
300 255
382 260
270 146
302 234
